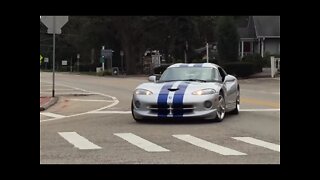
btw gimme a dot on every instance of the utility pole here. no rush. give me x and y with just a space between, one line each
185 52
207 52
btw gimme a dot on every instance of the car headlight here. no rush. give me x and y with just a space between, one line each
204 92
143 92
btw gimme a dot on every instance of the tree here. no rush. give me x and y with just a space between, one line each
135 34
228 39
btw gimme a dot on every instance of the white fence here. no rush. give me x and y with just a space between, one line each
275 66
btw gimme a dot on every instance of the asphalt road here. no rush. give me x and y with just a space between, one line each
92 124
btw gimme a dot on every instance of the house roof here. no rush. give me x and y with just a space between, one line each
261 26
267 26
249 31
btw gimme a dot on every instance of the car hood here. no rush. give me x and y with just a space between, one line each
182 86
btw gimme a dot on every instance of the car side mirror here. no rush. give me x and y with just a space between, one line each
229 78
152 78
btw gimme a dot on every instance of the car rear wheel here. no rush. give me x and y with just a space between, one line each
237 108
221 108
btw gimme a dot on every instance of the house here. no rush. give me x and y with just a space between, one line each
261 35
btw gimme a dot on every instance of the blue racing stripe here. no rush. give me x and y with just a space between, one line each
178 100
184 65
197 65
162 100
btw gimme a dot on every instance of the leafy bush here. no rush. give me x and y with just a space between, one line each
255 59
104 73
87 67
239 69
160 69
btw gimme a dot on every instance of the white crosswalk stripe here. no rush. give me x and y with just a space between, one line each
82 143
257 142
49 114
207 145
141 143
78 141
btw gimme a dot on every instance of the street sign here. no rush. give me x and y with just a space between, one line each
60 22
46 60
107 53
64 63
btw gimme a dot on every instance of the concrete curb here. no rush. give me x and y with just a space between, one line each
49 104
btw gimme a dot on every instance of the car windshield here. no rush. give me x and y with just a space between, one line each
189 74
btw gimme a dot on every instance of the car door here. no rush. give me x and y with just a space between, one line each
230 87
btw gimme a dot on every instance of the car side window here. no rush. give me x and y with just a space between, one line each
222 73
216 75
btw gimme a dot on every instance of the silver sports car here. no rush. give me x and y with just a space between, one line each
201 90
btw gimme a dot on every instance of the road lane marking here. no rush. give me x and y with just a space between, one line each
57 89
141 143
207 145
263 92
110 112
90 100
78 141
257 142
260 102
114 103
257 110
52 115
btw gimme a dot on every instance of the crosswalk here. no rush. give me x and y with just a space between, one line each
81 143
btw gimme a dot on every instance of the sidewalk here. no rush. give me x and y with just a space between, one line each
46 102
266 73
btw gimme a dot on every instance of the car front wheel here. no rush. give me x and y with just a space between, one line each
221 108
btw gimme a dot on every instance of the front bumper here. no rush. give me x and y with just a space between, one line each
193 108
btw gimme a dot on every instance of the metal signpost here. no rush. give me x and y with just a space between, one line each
121 54
207 52
102 58
185 52
78 62
46 60
54 25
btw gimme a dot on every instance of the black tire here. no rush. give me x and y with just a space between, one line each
137 120
236 110
221 112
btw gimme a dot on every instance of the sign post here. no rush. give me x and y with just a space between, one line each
71 65
207 52
46 60
121 54
102 58
78 62
54 53
54 25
